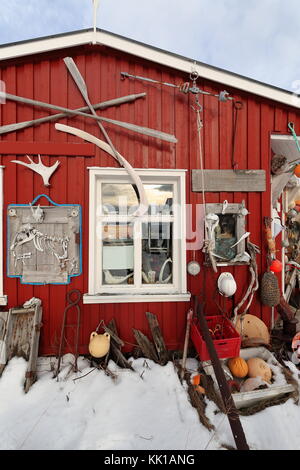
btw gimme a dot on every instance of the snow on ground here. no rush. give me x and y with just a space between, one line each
143 410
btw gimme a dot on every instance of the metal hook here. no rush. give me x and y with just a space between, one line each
197 102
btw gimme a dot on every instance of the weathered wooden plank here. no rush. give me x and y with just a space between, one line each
21 339
110 328
115 346
30 376
158 338
146 346
229 180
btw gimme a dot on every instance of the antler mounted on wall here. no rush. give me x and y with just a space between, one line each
43 170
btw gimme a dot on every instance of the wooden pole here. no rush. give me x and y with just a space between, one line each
126 125
233 417
186 341
54 117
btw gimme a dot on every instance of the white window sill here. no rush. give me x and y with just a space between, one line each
134 298
3 300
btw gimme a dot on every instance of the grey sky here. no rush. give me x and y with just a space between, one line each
255 38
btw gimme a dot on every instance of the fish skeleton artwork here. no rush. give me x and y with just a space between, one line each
43 170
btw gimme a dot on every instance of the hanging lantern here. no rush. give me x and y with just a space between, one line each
297 171
276 266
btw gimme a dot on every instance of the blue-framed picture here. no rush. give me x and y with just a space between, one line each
44 243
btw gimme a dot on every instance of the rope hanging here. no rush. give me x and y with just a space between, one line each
291 127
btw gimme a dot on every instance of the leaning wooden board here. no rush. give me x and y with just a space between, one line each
229 180
20 338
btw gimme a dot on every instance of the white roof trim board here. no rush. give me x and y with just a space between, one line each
183 64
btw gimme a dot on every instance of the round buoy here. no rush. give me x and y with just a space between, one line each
276 266
297 171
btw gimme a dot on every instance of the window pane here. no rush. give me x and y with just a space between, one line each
160 198
118 198
117 253
121 198
157 253
225 237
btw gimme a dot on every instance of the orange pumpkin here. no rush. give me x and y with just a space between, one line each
297 171
238 367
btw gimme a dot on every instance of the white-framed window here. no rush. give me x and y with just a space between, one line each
3 298
136 259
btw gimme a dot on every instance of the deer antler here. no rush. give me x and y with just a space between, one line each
43 170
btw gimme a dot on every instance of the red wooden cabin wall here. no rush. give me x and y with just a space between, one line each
45 78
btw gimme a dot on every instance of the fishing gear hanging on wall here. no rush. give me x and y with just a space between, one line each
211 219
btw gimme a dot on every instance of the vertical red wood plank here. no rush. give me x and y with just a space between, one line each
141 118
267 126
58 92
174 313
254 201
153 104
9 115
226 130
168 97
211 154
25 177
239 133
41 81
281 120
75 195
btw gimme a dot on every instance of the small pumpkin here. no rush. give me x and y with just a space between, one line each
257 367
238 367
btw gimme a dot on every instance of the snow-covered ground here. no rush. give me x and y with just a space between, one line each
147 409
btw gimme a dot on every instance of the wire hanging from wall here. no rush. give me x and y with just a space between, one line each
238 105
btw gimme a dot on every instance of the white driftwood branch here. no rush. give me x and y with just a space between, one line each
143 207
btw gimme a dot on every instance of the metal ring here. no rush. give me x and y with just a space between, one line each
77 294
194 75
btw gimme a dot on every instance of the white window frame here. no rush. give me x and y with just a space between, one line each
3 298
177 291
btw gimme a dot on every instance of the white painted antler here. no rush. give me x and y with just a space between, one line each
43 170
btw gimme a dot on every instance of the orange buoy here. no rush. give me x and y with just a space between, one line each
297 171
276 266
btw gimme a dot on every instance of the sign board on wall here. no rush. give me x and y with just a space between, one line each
44 242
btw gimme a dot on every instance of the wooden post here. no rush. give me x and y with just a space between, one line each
186 341
233 417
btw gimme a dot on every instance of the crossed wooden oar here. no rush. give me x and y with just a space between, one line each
65 112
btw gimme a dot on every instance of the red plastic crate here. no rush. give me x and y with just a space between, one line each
228 347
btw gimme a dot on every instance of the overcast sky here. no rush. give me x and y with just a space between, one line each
255 38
